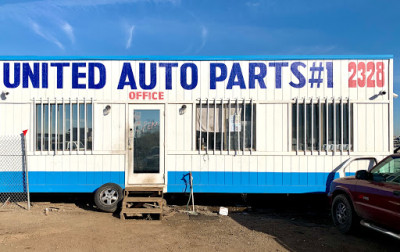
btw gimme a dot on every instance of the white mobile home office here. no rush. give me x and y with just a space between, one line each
255 124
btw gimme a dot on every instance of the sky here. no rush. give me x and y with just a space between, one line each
202 28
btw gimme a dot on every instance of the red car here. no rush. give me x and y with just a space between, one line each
371 198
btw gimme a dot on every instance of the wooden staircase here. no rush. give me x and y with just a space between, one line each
142 201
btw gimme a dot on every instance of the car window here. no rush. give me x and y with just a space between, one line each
387 171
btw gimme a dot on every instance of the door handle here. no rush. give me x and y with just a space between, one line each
130 139
397 193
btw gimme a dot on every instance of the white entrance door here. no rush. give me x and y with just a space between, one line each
146 144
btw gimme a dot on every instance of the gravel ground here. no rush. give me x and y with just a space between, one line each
287 226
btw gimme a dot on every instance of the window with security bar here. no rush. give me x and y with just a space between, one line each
322 125
225 125
64 126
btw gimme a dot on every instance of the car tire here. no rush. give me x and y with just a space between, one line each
107 197
343 214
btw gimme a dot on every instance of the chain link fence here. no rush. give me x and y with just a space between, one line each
14 187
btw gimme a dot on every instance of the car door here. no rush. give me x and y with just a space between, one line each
378 198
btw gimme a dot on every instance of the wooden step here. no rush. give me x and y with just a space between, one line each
141 211
143 199
142 194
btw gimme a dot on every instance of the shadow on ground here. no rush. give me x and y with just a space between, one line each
298 222
82 200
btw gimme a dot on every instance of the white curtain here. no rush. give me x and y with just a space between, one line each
214 113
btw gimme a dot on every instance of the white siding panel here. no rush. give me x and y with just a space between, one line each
98 163
90 163
171 124
196 163
179 162
385 128
107 163
261 168
188 128
269 164
107 133
187 163
213 167
98 127
180 136
361 130
261 127
370 128
378 129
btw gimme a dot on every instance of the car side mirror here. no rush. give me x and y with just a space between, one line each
362 174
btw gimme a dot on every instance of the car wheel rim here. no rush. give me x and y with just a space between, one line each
342 213
109 197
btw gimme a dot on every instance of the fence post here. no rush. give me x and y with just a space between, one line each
26 172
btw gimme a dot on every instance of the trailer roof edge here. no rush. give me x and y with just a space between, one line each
204 58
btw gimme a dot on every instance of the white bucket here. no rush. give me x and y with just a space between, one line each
223 211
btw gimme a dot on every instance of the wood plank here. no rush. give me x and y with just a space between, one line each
144 189
141 211
143 199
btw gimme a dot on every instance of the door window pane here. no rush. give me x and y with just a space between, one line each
146 145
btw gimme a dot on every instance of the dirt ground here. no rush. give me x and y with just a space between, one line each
289 224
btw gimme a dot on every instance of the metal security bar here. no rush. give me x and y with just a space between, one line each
350 125
327 125
237 127
208 117
305 126
334 126
222 126
312 126
244 126
55 123
341 126
63 126
252 126
215 128
77 127
320 128
71 132
311 115
297 126
14 183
